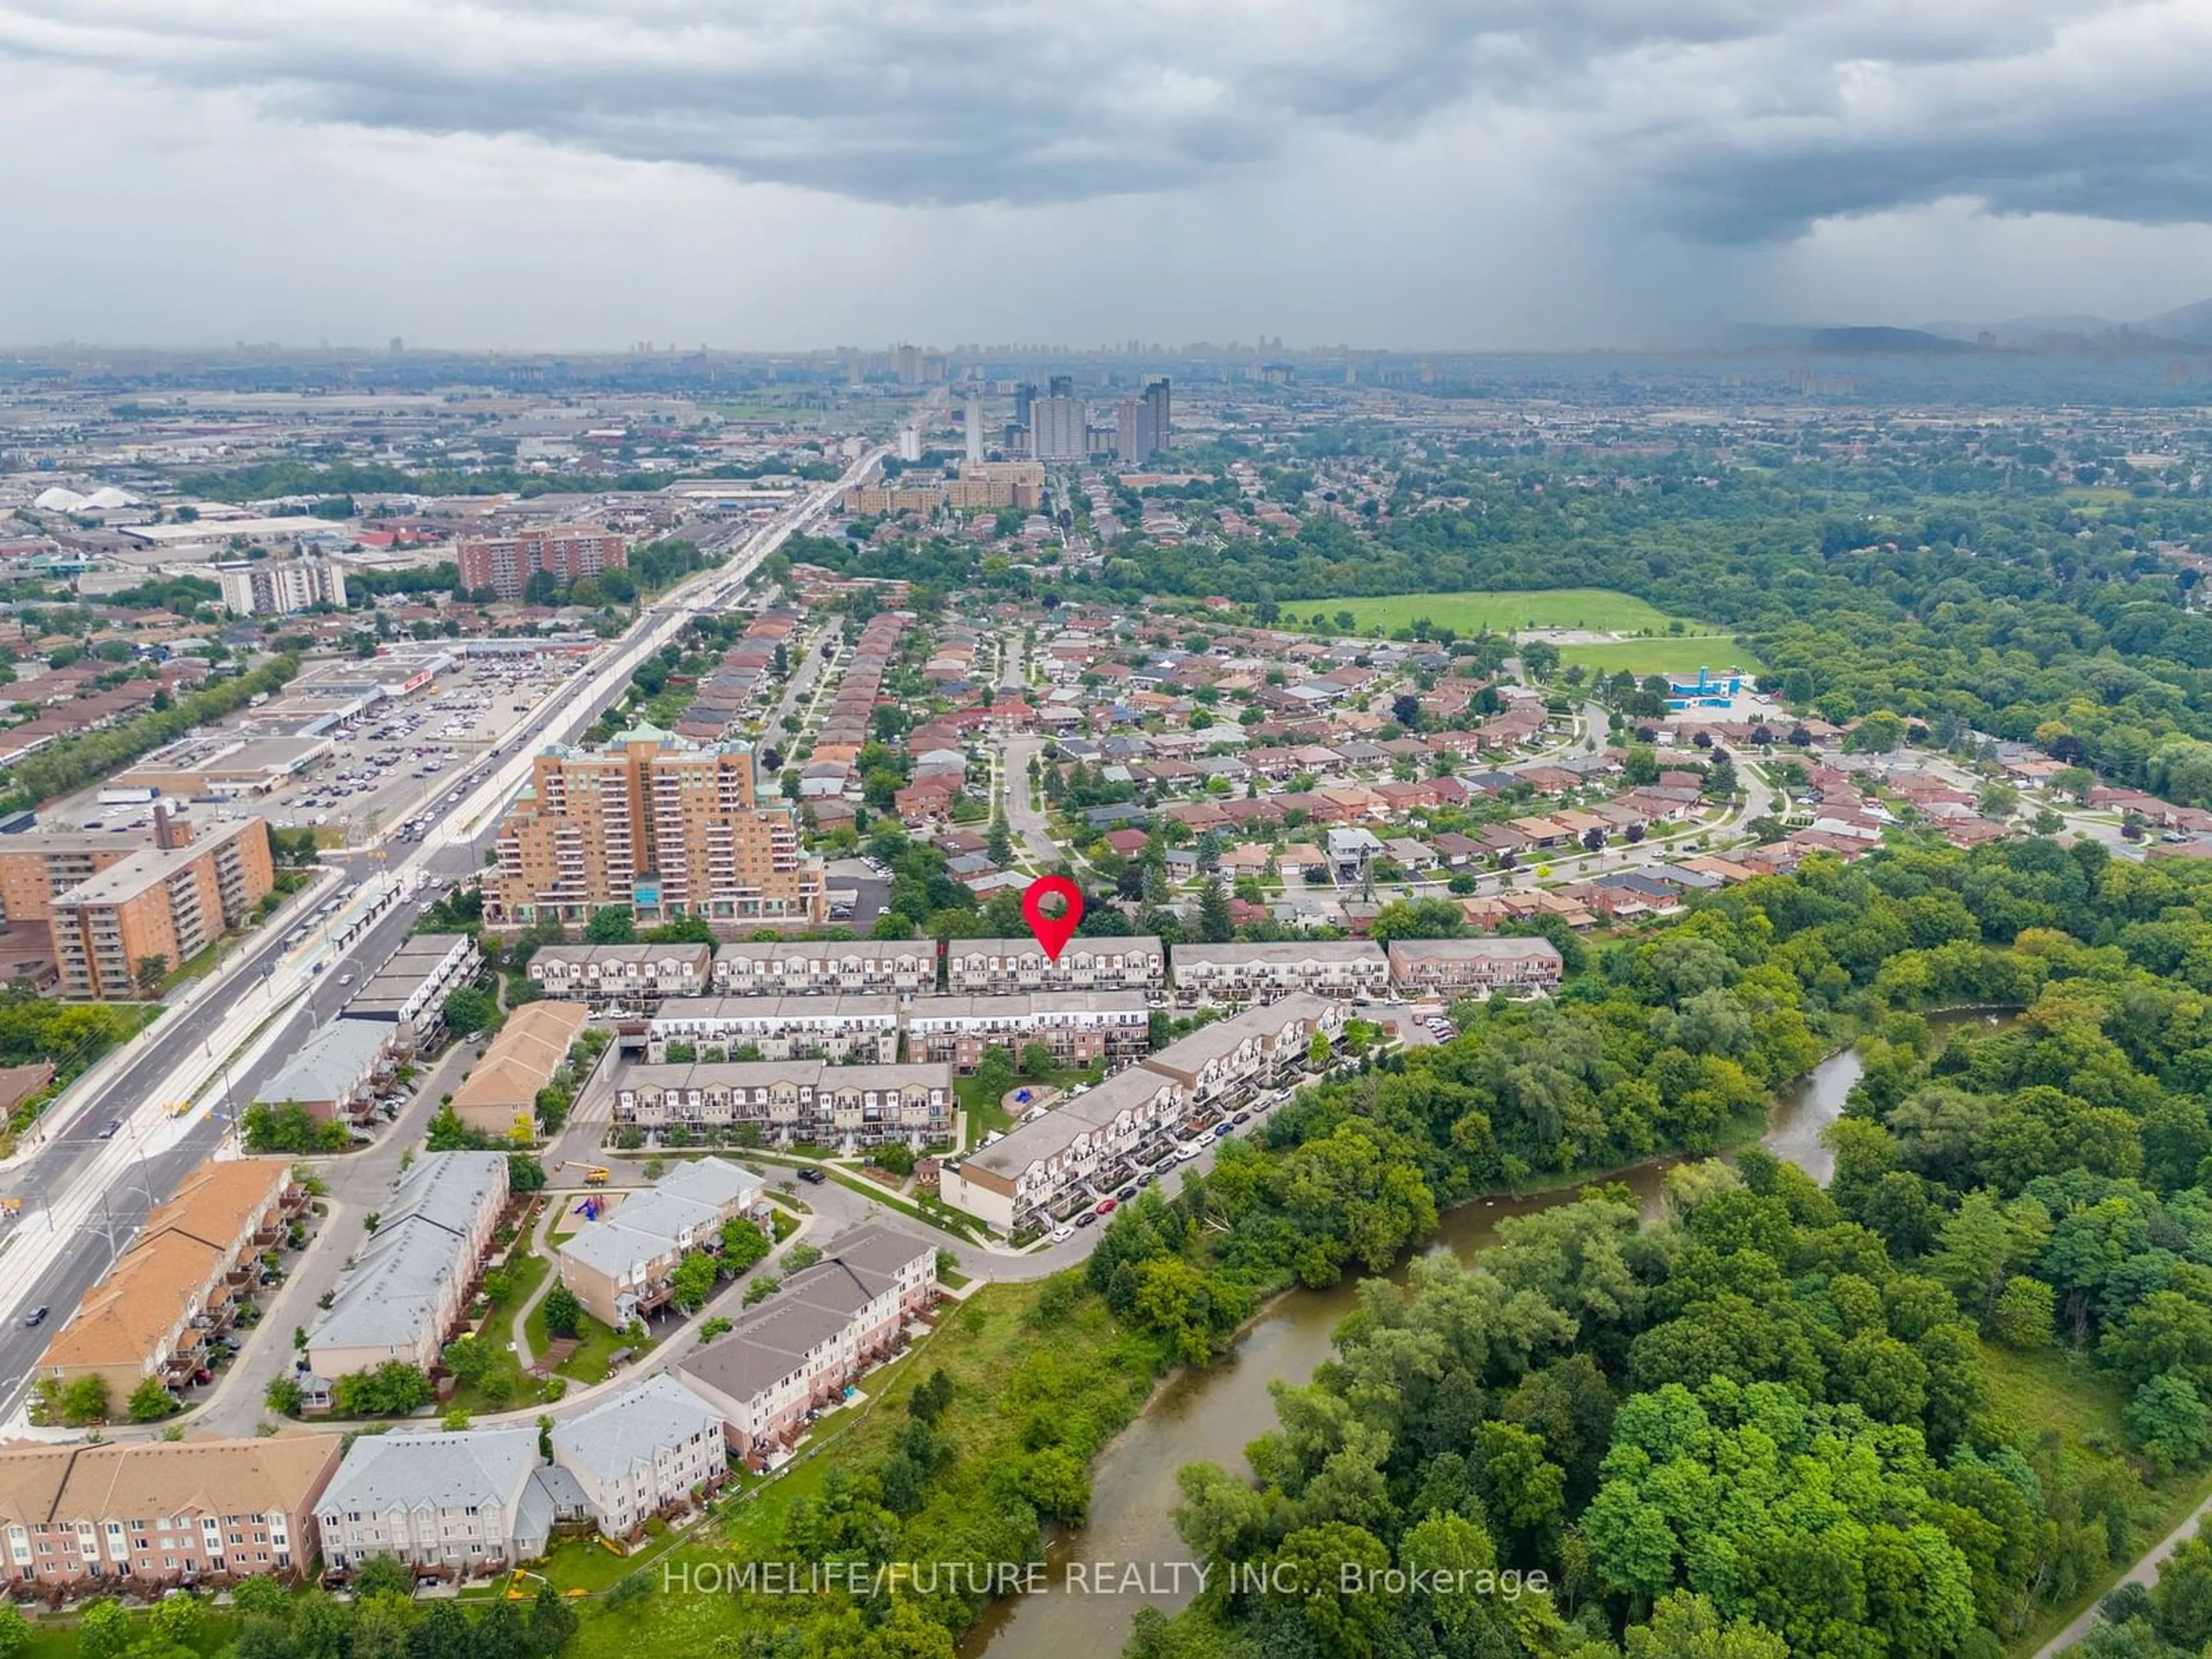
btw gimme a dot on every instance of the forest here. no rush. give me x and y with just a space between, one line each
1779 1418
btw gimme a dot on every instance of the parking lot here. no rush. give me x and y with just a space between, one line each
402 756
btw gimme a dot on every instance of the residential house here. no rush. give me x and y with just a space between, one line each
466 1503
1078 1027
1348 969
618 1265
406 1290
499 1096
628 976
825 967
335 1073
802 1347
1223 1059
993 966
794 1100
839 1028
142 1517
640 1451
1459 968
1028 1169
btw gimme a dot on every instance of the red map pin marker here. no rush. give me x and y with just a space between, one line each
1053 931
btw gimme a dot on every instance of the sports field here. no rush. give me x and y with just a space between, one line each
1666 654
1599 609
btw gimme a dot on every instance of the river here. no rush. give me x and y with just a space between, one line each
1212 1415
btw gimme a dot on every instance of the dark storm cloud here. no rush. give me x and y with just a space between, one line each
1733 120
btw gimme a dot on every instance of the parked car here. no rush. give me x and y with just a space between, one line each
1127 1193
812 1177
1086 1218
1106 1207
1241 1117
1062 1233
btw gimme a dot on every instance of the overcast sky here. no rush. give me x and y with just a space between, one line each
765 173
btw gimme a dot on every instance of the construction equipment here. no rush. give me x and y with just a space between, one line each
595 1175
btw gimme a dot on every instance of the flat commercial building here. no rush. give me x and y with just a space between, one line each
405 1293
1079 1027
794 1100
838 1027
505 564
657 824
144 1517
619 1267
805 1345
1355 969
1474 967
165 902
178 1283
991 966
224 766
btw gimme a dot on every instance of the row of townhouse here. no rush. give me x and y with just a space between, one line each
618 1263
178 1285
468 1504
471 1502
144 1517
794 1100
765 978
1078 1027
1036 1166
800 1350
1462 968
862 1029
404 1294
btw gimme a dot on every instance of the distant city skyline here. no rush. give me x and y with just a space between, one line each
1398 174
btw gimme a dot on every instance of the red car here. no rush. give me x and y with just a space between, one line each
1105 1206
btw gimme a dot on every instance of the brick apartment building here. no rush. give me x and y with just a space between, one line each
145 1517
171 901
505 564
656 822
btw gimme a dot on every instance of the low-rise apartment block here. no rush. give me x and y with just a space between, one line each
794 1100
1250 1050
1034 1164
625 974
405 1293
465 1503
170 901
142 1517
1354 969
178 1283
844 968
619 1265
839 1028
1473 967
641 1451
822 1330
1079 1027
990 967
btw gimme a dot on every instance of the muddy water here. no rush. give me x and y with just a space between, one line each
1129 1543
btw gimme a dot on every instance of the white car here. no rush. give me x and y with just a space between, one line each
1062 1233
1188 1150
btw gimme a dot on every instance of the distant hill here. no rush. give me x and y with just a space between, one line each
1755 336
2188 324
2193 324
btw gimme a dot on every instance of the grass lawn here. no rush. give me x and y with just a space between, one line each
586 1564
1089 1373
2061 1394
1499 609
985 1113
588 1364
1683 653
54 1637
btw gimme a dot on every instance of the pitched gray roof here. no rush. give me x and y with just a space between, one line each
330 1063
418 1247
388 1472
692 1196
620 1432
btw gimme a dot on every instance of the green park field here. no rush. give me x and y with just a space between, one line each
1666 654
1598 608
